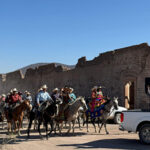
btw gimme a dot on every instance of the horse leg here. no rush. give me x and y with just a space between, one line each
15 127
29 127
79 123
60 128
9 127
51 122
46 129
69 127
39 124
87 124
73 122
106 128
101 127
93 122
20 125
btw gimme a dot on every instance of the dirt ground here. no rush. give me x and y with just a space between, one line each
116 140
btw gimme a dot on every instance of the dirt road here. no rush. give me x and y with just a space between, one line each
116 140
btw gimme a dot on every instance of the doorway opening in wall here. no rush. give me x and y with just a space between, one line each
129 95
147 86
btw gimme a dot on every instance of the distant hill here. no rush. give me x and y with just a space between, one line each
33 66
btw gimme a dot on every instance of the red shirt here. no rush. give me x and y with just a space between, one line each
15 98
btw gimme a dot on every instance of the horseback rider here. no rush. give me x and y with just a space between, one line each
72 96
68 98
13 100
43 96
28 96
93 97
56 95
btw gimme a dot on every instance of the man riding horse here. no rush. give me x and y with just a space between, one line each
43 96
13 100
68 98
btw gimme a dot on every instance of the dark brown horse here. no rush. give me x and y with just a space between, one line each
17 116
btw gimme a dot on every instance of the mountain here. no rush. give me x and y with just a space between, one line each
33 66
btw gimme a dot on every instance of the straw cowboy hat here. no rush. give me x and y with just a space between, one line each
44 86
94 88
14 90
40 89
56 89
28 93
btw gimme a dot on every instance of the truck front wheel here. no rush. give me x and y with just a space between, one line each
144 134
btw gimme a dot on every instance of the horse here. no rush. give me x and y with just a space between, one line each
71 113
109 105
45 114
17 116
46 117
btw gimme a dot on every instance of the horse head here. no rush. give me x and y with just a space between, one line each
83 103
115 102
26 104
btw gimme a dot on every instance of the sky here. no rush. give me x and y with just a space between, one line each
36 31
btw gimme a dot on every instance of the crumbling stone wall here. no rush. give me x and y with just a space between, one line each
111 69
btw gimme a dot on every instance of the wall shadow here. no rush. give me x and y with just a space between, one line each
126 144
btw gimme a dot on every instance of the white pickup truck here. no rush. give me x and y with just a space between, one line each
137 121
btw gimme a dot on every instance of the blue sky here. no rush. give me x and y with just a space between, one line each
33 31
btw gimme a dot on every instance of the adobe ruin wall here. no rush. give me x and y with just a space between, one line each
111 70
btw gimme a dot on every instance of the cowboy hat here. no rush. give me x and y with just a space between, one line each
71 89
14 90
3 95
28 93
56 89
40 89
94 88
44 86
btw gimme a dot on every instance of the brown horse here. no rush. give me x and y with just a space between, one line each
17 116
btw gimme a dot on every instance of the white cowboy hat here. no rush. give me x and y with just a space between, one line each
71 89
26 92
44 86
14 90
56 89
3 95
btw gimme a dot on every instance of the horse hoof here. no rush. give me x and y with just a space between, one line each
107 133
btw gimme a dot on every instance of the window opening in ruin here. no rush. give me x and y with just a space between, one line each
147 86
129 95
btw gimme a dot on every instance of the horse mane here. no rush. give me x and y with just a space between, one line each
77 99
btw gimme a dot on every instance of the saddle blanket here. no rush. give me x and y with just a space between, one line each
96 113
